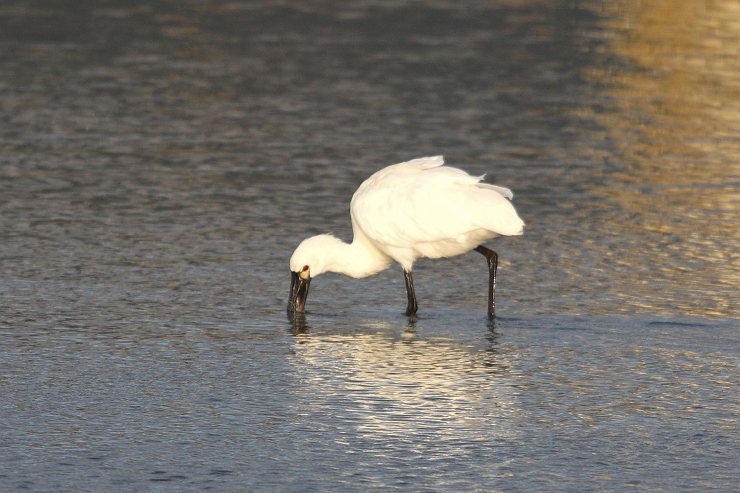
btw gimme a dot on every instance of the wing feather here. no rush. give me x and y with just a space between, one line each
423 201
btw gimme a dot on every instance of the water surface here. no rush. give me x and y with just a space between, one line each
160 162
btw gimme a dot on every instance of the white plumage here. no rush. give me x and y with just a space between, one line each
406 211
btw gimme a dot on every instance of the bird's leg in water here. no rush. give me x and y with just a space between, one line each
492 258
411 306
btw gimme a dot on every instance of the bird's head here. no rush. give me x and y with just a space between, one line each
311 258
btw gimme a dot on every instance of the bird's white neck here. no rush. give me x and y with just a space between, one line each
357 259
327 253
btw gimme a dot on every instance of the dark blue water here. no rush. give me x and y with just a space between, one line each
160 162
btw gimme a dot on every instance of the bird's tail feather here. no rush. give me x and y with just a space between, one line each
505 192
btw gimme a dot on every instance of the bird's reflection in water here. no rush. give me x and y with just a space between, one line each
298 324
383 374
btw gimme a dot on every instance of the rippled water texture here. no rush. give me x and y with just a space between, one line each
160 161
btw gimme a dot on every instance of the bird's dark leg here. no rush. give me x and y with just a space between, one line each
492 258
411 306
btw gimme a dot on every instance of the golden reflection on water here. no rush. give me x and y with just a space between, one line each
398 384
674 118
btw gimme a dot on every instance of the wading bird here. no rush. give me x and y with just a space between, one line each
403 212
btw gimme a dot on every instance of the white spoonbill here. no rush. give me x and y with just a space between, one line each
405 211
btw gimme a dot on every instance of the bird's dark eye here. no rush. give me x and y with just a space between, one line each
305 268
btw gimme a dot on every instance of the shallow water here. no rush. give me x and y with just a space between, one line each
161 162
